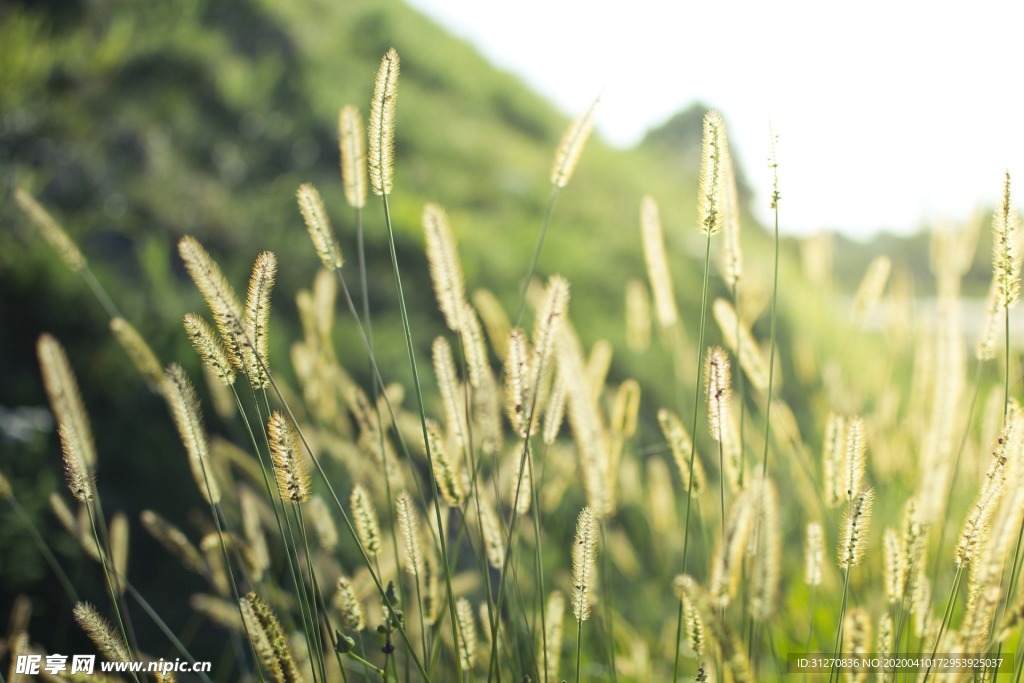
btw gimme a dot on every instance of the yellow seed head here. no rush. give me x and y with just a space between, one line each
431 586
447 473
255 539
694 626
79 482
494 318
547 657
493 539
718 384
174 541
569 151
467 633
352 145
733 652
857 635
638 316
709 201
445 270
315 216
626 409
554 409
366 522
517 381
382 125
323 523
547 327
257 318
584 564
1006 252
279 659
871 287
977 526
184 404
742 343
106 639
289 465
885 634
348 604
833 457
682 448
765 550
119 550
657 263
210 348
408 526
854 534
986 347
732 255
51 231
814 554
727 560
453 399
854 462
219 296
65 399
138 351
895 569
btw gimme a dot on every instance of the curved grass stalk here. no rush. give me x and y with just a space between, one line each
693 437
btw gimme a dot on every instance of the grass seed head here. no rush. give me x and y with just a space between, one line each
381 131
352 148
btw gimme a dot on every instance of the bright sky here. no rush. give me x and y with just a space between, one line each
890 113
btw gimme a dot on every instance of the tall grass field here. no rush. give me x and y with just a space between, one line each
502 501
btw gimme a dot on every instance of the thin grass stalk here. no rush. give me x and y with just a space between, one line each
946 615
272 492
545 224
579 639
775 300
288 539
375 390
164 628
693 433
956 472
810 625
525 461
101 552
842 617
44 549
314 607
348 521
380 382
469 455
740 379
423 422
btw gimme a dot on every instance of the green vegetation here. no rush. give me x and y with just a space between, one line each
137 125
